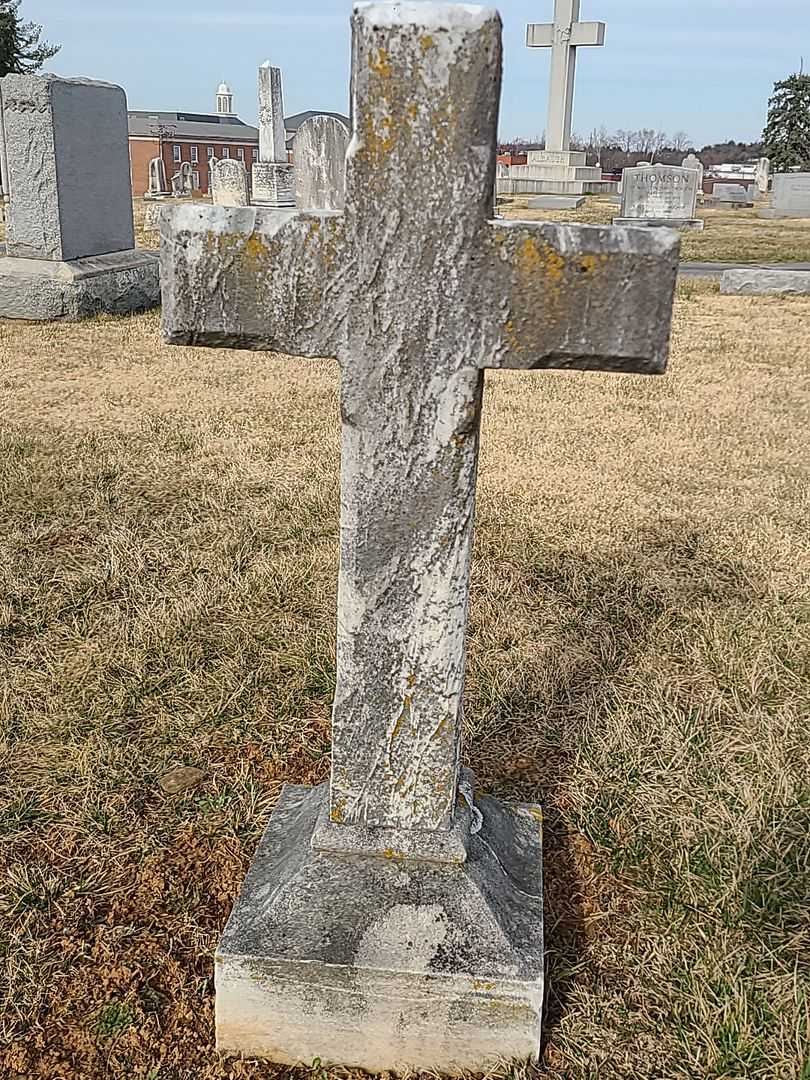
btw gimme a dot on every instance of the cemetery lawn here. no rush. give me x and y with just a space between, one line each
728 236
638 662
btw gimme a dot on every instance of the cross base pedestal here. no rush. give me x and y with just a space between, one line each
385 963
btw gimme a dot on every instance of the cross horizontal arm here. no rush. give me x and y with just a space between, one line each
540 35
578 296
253 279
588 33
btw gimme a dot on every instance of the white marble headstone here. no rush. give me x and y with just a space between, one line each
229 182
319 163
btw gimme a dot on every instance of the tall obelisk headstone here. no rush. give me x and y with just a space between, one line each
392 920
559 174
272 173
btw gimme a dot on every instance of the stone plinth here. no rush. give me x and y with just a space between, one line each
695 224
556 202
41 289
273 184
755 282
556 172
386 963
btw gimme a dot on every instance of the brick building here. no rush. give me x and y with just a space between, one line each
197 137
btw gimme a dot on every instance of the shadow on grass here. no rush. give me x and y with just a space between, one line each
607 612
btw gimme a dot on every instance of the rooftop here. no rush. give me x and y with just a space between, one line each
191 125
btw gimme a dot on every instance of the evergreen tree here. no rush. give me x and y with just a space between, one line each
20 48
786 137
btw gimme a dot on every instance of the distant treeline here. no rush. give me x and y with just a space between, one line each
621 149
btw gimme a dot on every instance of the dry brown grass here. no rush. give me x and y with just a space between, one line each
639 663
728 236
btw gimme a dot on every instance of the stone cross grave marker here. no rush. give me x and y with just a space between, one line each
393 918
563 36
319 164
272 173
229 182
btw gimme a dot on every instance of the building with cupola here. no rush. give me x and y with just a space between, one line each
198 137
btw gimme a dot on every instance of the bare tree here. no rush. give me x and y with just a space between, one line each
680 142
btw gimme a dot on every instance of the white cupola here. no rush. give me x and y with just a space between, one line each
224 100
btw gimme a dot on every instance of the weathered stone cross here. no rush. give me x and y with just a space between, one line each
416 292
564 36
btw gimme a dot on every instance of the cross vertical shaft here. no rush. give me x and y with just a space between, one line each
408 473
565 35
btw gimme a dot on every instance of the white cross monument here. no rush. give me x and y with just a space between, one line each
557 174
392 919
563 36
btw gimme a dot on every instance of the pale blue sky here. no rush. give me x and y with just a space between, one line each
702 66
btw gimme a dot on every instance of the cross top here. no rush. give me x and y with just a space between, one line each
564 36
415 292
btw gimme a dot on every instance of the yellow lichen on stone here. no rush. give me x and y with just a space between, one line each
375 145
427 42
591 263
338 812
515 344
382 65
534 258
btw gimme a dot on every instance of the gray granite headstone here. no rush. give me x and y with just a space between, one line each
392 919
790 196
659 195
730 192
70 239
67 150
319 163
229 182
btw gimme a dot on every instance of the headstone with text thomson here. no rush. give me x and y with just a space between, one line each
659 195
393 918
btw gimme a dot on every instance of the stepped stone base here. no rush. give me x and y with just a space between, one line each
556 202
384 963
116 284
695 224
